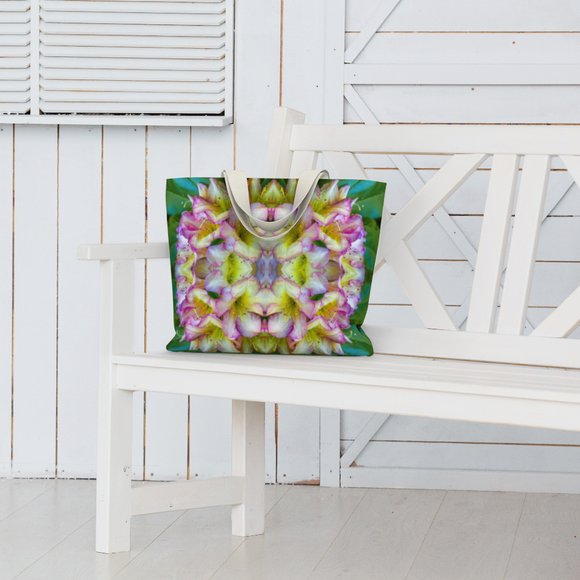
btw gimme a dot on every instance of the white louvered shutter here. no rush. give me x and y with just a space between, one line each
132 56
14 56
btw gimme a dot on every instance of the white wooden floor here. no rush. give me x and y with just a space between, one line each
47 533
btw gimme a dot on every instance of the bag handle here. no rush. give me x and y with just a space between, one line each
237 188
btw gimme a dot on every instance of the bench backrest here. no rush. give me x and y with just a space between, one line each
294 147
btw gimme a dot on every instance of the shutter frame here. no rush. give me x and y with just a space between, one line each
133 73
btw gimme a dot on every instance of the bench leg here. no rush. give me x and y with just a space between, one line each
248 460
114 472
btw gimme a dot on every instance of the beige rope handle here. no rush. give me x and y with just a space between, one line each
237 188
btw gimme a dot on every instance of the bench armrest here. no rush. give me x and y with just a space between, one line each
123 251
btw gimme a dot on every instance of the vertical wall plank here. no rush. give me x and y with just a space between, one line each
303 89
78 300
210 419
35 301
124 221
6 158
257 92
168 155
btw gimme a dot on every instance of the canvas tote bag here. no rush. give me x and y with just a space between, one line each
272 265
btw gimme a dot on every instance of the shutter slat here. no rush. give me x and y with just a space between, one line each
123 97
82 28
14 74
14 86
135 107
124 64
15 56
133 86
129 52
8 97
137 41
133 18
14 6
131 56
80 75
15 28
79 6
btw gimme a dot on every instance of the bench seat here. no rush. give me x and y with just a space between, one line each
447 389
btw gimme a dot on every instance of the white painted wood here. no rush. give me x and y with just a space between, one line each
361 440
564 320
334 22
248 452
123 251
419 139
302 161
470 532
34 427
457 74
123 170
279 157
422 15
417 286
79 214
298 444
37 527
208 31
456 104
375 21
408 429
137 120
493 243
289 549
34 57
345 165
475 346
6 215
545 542
522 256
115 410
388 526
330 447
166 445
510 394
427 200
182 495
15 80
488 479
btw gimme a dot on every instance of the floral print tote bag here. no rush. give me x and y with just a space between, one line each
272 265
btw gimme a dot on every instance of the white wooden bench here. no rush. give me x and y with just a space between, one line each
490 373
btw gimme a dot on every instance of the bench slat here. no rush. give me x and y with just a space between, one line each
524 244
444 389
493 243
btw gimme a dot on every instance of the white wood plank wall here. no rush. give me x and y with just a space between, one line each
463 43
71 185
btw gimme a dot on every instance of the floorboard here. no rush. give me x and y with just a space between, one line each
383 536
470 538
547 544
16 493
41 524
299 530
312 533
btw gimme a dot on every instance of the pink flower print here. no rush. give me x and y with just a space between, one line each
321 338
331 203
212 203
207 335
